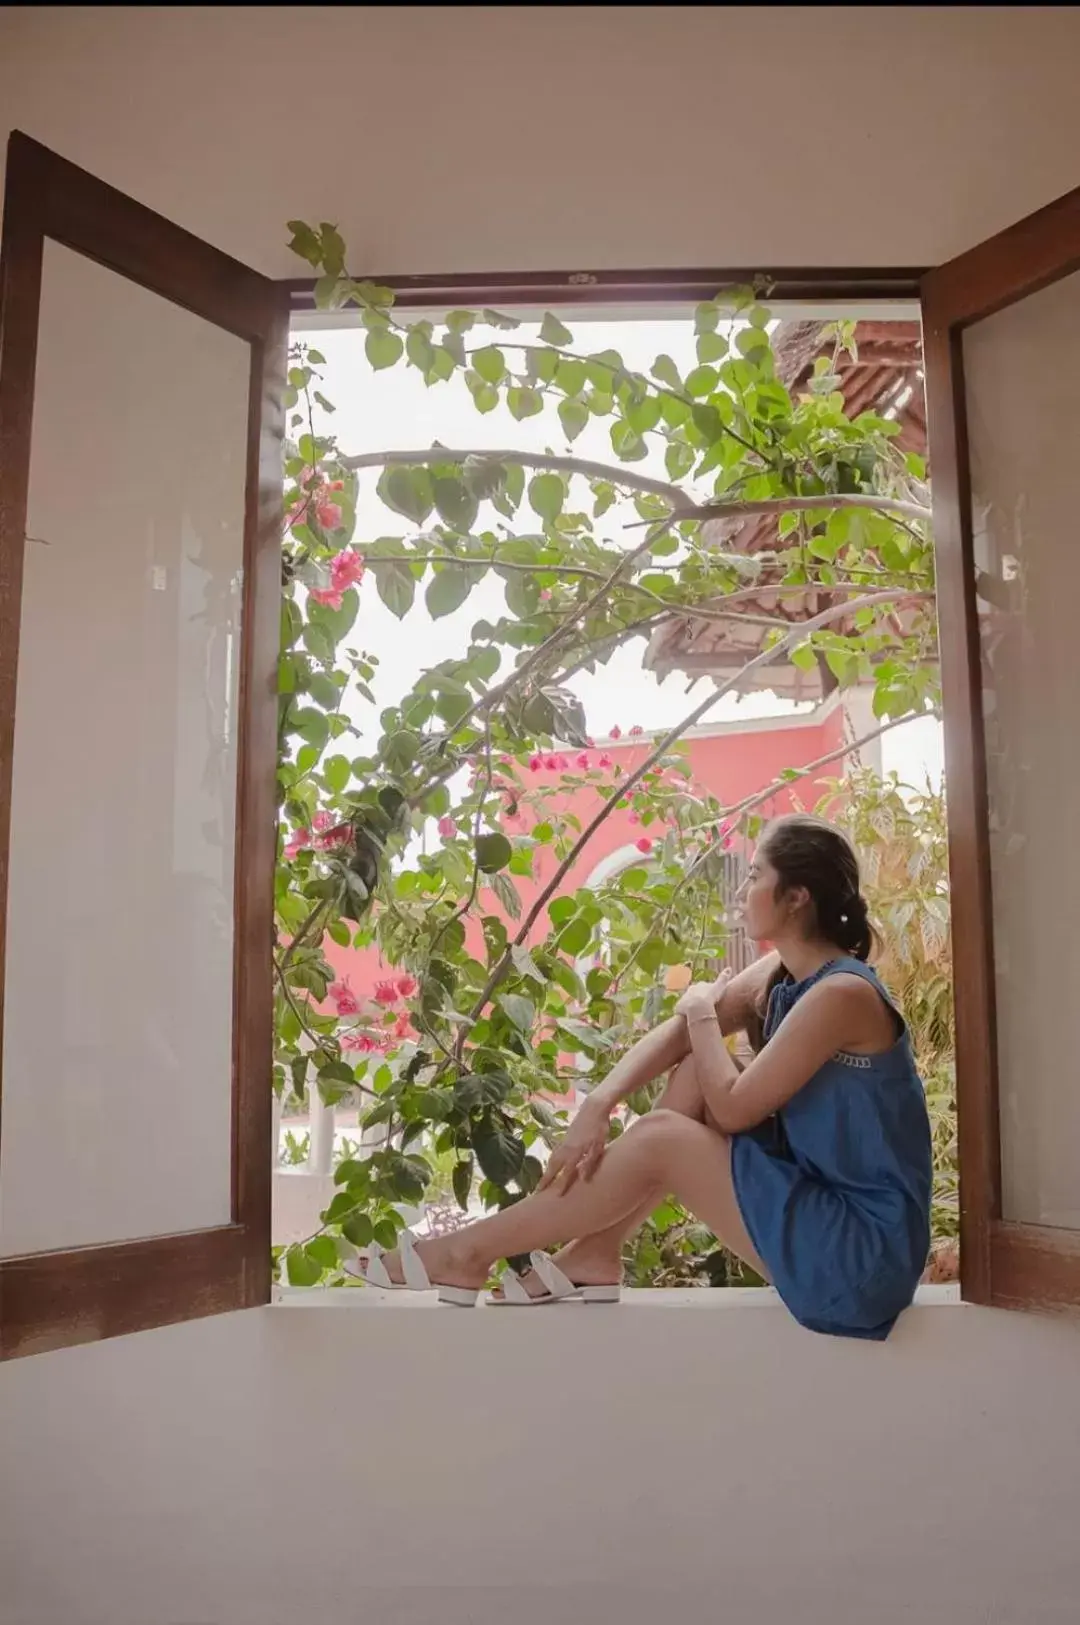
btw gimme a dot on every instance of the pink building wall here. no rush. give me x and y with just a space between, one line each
732 760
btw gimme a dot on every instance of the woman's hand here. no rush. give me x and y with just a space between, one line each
701 998
578 1153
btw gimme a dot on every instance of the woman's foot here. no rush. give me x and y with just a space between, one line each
447 1261
581 1263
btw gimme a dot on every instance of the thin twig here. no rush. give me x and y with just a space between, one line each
720 509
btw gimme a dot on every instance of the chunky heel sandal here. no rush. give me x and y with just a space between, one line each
375 1273
558 1288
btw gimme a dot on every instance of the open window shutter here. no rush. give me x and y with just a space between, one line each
1002 347
141 379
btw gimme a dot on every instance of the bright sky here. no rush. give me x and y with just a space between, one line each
394 410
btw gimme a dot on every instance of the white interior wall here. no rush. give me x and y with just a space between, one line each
427 1466
321 1465
467 138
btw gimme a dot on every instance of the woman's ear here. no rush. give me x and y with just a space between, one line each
797 899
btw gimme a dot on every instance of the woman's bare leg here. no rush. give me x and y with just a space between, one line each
662 1153
596 1260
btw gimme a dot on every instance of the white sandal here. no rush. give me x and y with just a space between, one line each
558 1288
375 1273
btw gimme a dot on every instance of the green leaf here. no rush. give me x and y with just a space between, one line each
490 363
456 505
666 372
546 496
462 1178
322 1250
702 381
493 852
552 331
507 893
627 444
479 1089
573 415
525 964
522 1011
337 771
645 415
711 347
804 657
575 939
408 491
499 1152
396 586
358 1229
679 459
300 1269
449 589
383 349
305 242
485 396
707 317
524 403
571 376
420 350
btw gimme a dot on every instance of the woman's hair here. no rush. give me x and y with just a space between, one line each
808 852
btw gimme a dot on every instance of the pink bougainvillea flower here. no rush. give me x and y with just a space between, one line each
385 993
535 763
616 732
605 761
402 1027
329 596
346 569
327 513
296 842
634 819
636 729
545 594
344 999
583 761
447 828
322 822
406 986
643 844
362 1042
340 835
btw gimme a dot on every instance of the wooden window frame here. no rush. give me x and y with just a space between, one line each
54 1299
1003 1263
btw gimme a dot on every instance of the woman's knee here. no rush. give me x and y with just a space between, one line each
663 1132
683 1092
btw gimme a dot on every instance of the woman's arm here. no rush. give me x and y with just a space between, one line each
839 1013
579 1151
669 1043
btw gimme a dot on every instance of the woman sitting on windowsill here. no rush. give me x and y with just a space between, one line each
813 1164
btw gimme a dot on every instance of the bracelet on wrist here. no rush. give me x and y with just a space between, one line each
696 1021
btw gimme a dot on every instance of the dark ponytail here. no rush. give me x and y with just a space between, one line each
807 852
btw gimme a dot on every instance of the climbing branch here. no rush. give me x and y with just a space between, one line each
797 635
527 459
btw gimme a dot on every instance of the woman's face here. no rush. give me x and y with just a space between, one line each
766 915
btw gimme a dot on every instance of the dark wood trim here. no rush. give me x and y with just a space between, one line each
965 776
659 286
256 802
20 301
1035 1268
76 209
64 1297
1006 1264
57 1300
1028 256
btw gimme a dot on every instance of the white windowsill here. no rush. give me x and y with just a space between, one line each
735 1298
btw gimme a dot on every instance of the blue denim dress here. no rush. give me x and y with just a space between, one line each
835 1189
